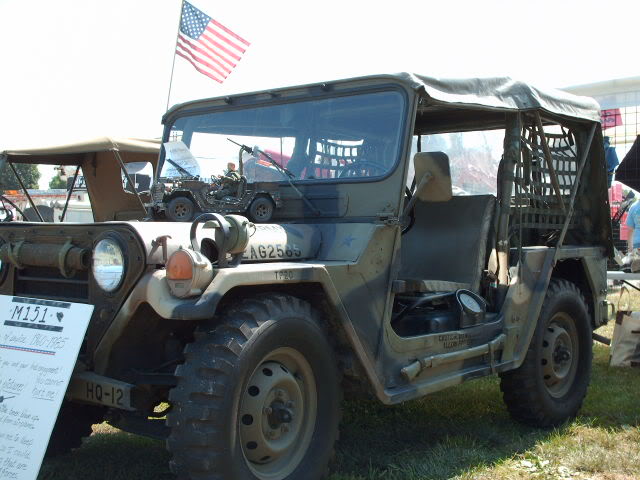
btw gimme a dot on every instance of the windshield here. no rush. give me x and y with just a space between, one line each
349 137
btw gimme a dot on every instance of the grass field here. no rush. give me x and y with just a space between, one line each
462 433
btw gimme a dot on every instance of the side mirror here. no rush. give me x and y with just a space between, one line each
434 177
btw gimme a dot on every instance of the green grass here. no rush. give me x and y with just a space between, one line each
462 433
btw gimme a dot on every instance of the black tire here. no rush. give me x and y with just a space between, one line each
221 373
72 425
548 388
180 209
261 210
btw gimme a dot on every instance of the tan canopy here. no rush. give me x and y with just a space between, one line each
75 153
100 161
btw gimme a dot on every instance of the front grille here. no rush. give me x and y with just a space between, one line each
45 282
48 283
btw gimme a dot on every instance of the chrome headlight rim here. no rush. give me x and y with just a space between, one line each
122 247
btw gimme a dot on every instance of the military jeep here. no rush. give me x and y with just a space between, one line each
180 200
373 278
255 194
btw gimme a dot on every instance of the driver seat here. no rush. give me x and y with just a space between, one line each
446 247
242 187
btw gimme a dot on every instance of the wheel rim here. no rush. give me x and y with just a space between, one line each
560 352
181 210
278 411
262 210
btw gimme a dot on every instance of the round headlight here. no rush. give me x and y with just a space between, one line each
108 264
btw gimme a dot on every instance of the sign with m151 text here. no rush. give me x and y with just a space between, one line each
39 345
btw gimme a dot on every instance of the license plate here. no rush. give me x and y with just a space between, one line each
92 388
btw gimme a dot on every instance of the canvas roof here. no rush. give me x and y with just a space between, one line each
504 93
72 153
493 94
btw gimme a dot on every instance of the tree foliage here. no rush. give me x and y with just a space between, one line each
29 174
57 182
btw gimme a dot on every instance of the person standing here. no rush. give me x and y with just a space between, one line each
633 222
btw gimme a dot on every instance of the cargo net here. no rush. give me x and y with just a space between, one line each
331 157
538 202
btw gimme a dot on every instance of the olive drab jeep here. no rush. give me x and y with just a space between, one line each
256 194
431 232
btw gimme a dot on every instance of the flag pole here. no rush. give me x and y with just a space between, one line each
173 65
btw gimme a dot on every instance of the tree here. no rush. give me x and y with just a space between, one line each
57 182
29 174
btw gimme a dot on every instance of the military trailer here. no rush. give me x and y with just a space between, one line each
372 278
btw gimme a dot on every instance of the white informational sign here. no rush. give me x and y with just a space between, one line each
39 345
177 154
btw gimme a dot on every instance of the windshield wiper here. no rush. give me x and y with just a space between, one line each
283 170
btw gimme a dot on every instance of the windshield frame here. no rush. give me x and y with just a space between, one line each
310 95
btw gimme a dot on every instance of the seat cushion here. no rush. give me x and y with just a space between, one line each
448 241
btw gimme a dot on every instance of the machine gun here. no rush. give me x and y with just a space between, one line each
256 150
285 172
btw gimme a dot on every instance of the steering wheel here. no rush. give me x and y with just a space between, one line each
6 215
356 169
9 218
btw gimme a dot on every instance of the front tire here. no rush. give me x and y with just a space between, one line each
257 397
180 209
549 387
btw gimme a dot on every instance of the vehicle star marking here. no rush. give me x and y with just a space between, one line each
348 241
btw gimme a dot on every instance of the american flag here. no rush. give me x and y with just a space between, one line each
209 46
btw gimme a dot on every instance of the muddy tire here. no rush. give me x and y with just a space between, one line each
261 210
549 387
180 209
73 424
257 397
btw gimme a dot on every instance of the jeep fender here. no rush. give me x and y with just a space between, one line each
528 288
153 289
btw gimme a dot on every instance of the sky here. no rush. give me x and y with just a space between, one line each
76 69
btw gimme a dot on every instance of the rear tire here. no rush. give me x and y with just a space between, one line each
257 397
261 210
180 209
550 385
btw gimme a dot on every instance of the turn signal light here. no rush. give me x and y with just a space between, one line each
188 273
180 266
